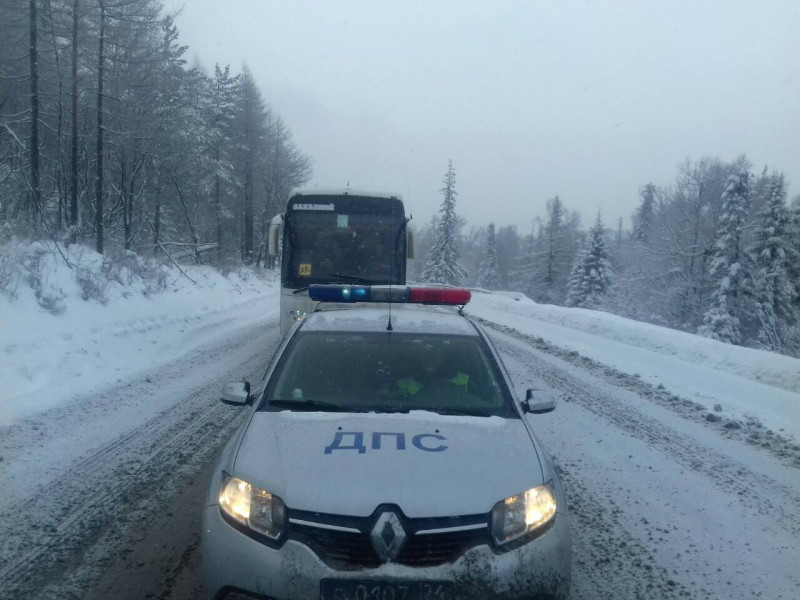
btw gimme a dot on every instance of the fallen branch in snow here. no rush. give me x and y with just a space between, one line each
169 256
190 244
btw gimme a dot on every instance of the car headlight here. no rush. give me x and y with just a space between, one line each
252 507
522 514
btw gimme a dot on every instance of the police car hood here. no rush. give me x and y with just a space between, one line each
429 465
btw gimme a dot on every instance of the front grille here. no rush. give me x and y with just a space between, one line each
434 549
351 550
341 550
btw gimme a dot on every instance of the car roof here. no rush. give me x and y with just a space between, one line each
405 319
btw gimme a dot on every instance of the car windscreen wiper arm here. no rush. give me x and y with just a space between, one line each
310 405
457 413
300 290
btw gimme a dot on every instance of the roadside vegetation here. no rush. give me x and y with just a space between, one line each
716 252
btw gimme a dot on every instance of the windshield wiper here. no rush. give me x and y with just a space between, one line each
311 405
300 290
361 280
456 413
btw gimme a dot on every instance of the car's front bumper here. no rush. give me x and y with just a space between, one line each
234 561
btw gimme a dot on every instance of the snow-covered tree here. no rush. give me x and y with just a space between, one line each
542 272
644 218
132 148
523 272
552 273
575 295
773 292
794 244
508 243
592 274
442 265
728 263
489 269
221 109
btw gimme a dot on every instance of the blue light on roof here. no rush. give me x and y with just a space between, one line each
385 293
339 293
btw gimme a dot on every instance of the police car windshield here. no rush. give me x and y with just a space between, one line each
389 372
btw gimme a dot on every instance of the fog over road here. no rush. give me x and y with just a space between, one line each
662 506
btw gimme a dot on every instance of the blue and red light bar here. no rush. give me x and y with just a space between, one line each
385 293
434 295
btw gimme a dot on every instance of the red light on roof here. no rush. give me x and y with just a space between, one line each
424 295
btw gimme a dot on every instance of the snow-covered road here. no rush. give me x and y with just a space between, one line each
101 495
663 506
83 480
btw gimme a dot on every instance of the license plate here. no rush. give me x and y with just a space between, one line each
347 589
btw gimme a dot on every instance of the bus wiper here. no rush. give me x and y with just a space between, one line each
310 405
300 290
355 278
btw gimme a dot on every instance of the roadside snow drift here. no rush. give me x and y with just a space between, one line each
743 381
67 331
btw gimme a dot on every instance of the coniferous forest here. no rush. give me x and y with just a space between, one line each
109 138
715 252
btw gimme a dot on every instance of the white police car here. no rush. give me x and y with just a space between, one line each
386 458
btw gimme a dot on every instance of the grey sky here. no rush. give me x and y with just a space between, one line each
588 100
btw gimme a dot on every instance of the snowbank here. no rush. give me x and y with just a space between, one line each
743 381
69 331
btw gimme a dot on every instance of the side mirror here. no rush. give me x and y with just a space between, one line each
236 394
410 244
538 402
273 245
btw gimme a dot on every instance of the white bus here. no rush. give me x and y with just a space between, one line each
338 236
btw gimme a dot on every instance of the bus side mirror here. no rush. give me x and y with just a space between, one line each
274 237
409 244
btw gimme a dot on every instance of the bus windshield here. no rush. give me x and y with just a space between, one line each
347 240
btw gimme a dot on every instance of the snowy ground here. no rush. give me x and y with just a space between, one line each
107 410
745 383
101 483
85 347
661 508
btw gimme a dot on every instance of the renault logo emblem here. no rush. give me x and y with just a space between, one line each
388 536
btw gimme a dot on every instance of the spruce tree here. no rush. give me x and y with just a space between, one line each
773 291
523 274
592 275
645 214
728 263
575 290
794 246
221 111
489 269
442 264
551 275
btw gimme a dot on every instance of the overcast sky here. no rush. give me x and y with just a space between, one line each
588 100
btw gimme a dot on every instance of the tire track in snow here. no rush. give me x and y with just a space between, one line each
633 537
750 430
609 563
756 490
47 536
